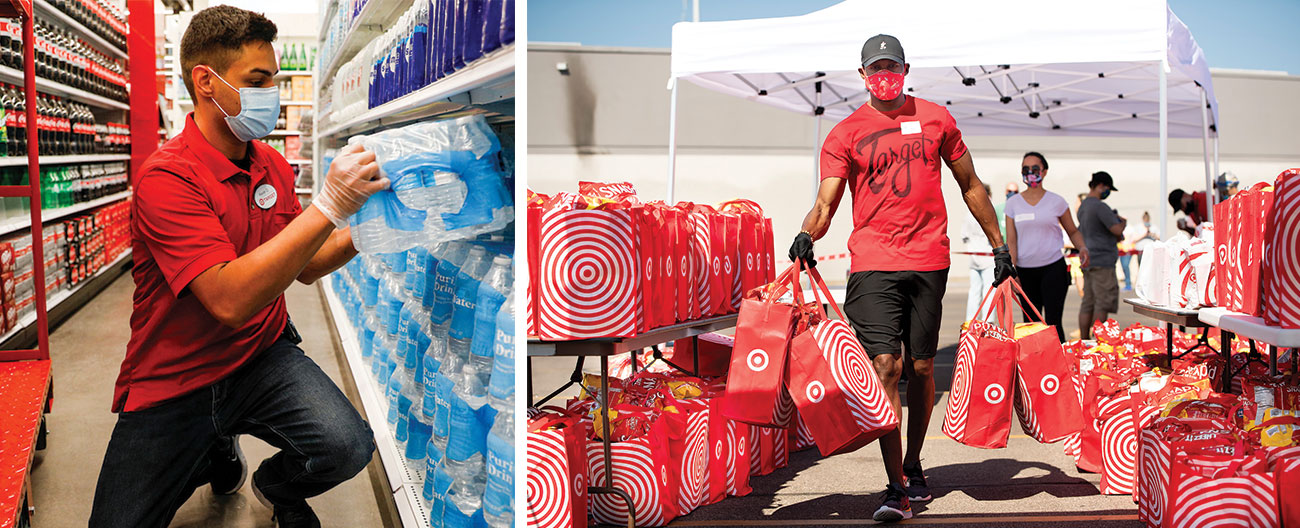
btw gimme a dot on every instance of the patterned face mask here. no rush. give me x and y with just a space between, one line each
885 85
1033 179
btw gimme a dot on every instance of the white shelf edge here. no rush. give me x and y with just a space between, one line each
376 410
58 298
49 215
63 90
293 73
44 7
296 103
374 13
302 190
21 161
277 133
299 161
494 66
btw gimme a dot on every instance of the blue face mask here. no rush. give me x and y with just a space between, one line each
1105 194
259 108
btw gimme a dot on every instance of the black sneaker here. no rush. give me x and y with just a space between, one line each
916 488
296 516
228 468
895 507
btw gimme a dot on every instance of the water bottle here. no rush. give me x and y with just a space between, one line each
501 387
437 484
466 298
418 433
443 393
492 293
498 495
469 422
464 508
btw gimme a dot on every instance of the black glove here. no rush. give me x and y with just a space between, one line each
802 249
1003 269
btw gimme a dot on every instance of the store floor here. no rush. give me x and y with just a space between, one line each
87 351
1026 484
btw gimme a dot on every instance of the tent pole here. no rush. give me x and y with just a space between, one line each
1164 147
1216 153
817 140
672 144
1205 151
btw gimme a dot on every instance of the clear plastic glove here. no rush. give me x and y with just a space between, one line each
351 180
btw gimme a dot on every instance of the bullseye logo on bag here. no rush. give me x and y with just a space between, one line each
668 266
749 262
649 268
757 360
994 393
1049 384
742 445
579 485
717 265
815 391
726 264
663 472
685 269
717 450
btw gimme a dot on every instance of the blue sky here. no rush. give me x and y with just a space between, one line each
1244 34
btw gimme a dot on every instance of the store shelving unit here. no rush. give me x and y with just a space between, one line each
15 225
44 85
47 12
485 86
62 304
16 161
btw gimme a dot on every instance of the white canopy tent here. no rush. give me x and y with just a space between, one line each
1118 68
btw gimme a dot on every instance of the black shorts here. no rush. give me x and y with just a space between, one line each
886 307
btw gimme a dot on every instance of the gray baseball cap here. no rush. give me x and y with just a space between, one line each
882 47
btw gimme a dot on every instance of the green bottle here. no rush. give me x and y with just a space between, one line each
301 58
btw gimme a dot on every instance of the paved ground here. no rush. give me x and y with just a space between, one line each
1026 484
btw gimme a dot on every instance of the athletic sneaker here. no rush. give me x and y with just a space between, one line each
915 478
895 507
298 515
228 468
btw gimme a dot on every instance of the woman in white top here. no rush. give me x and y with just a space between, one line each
1035 219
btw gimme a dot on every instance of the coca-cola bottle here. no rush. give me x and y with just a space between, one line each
20 119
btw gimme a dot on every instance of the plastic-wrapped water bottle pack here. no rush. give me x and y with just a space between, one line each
445 185
436 327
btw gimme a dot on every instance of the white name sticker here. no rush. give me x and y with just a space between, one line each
911 127
1025 217
264 196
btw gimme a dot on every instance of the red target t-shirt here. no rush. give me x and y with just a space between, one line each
892 163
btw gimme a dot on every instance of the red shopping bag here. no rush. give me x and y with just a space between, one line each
731 263
800 437
1286 473
1118 445
641 468
701 251
684 300
1281 267
755 394
831 377
1157 442
769 251
558 472
588 277
979 404
689 450
752 242
770 450
649 226
1045 402
729 454
714 353
1213 490
534 219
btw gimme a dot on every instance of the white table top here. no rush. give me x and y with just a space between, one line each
1249 327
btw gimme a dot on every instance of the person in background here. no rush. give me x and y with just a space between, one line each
981 261
1226 184
1145 236
1035 222
1011 190
1102 228
1193 205
887 155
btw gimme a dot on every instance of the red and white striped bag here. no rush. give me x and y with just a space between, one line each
1281 269
769 450
589 280
1180 272
641 468
1118 447
729 454
558 472
701 255
1209 490
689 449
800 437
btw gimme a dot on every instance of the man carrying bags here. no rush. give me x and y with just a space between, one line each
887 153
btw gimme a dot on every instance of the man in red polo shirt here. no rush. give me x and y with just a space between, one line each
887 153
218 235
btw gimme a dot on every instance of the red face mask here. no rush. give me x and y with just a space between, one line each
885 85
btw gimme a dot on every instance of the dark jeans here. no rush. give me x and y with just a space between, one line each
158 456
1046 287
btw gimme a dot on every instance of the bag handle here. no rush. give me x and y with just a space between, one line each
554 416
815 277
742 205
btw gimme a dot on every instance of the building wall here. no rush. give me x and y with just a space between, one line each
607 119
